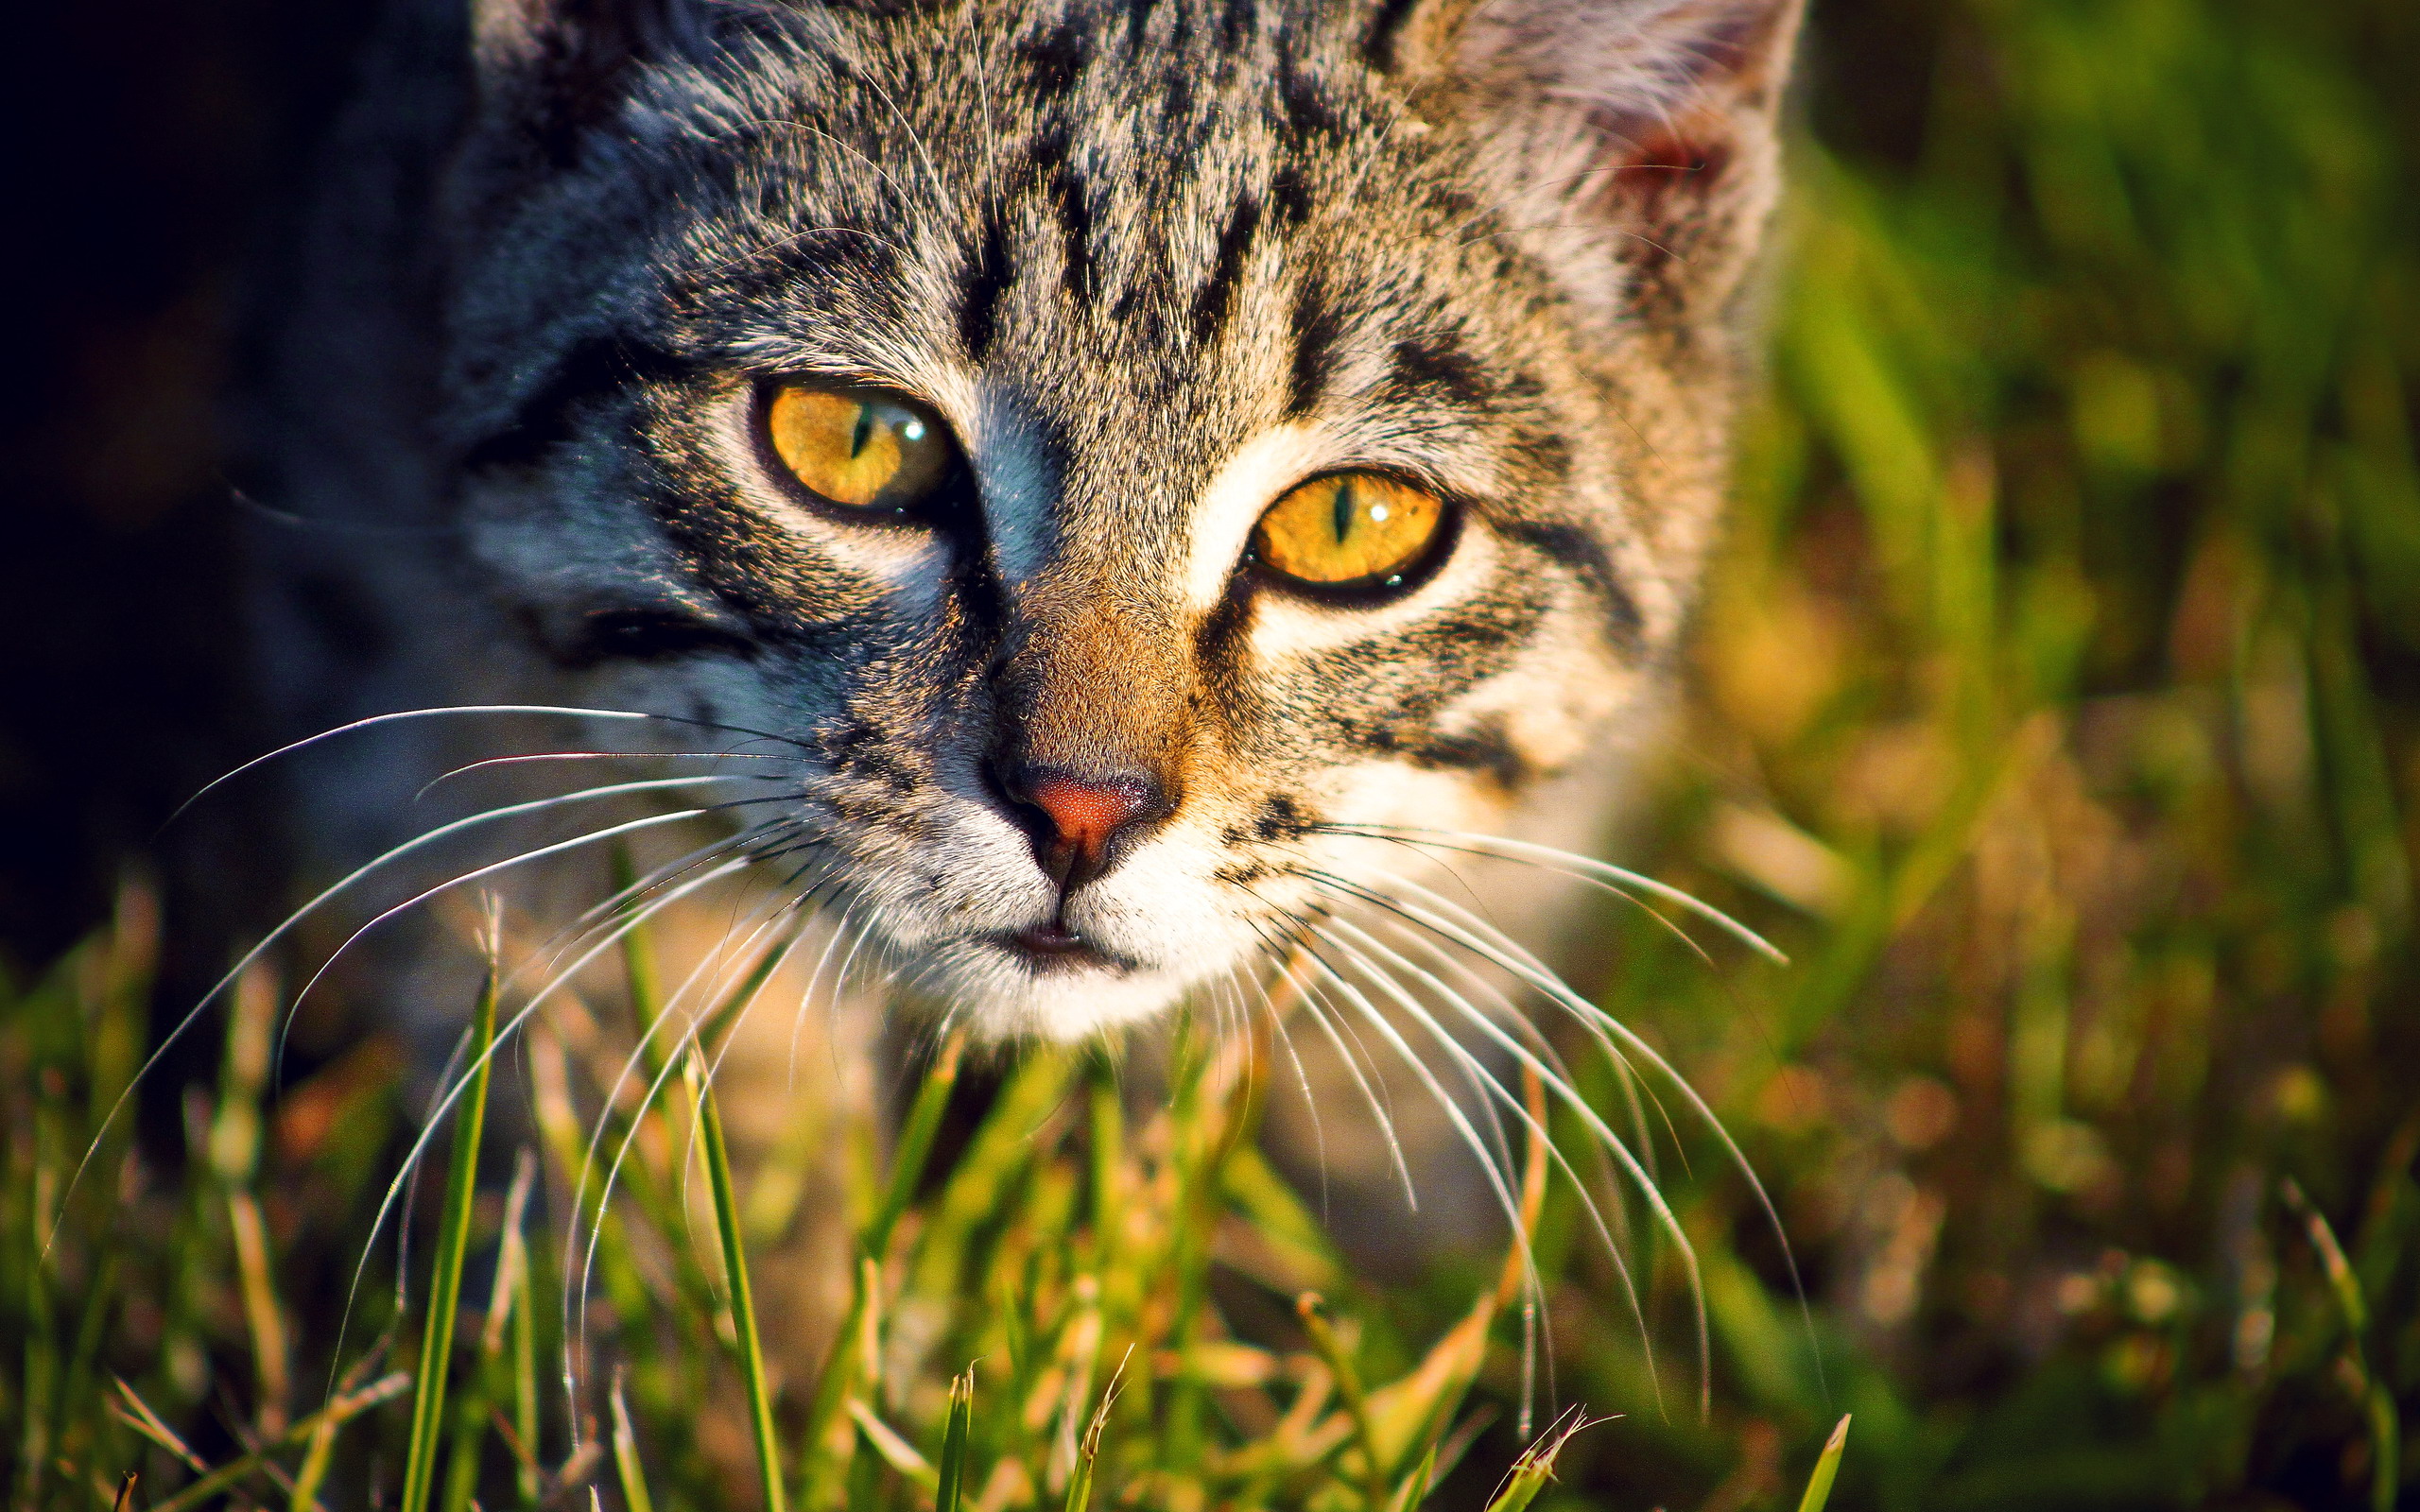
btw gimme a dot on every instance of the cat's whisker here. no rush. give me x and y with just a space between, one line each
1492 1166
410 1165
1490 1161
1282 956
814 978
557 847
721 962
1412 937
1380 1109
262 946
1626 1074
1492 1091
1608 1030
1633 1085
1542 1063
1432 847
608 934
1564 862
1628 1160
793 914
534 758
373 721
1511 959
673 1062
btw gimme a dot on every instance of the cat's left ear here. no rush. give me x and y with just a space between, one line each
1636 142
546 68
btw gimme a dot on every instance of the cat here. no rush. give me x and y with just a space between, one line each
1112 499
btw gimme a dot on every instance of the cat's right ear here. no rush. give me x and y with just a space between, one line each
1635 141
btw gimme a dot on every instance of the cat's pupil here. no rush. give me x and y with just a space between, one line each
1343 511
862 432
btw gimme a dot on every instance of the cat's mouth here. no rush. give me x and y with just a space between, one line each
1053 949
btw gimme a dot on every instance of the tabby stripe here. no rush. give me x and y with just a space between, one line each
1435 367
988 278
1318 332
1217 296
1571 547
1054 60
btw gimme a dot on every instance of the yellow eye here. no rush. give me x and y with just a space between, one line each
1348 530
857 448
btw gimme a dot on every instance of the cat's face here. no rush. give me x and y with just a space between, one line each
1111 444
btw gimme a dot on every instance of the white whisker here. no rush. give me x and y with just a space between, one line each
262 946
1553 987
1566 863
1556 1081
461 1083
534 758
1379 1108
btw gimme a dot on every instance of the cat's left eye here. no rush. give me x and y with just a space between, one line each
860 449
1350 533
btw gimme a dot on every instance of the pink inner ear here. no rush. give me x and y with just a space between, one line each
1654 158
1665 150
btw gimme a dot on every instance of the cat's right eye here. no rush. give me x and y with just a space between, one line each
858 449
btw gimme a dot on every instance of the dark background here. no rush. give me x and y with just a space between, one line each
152 147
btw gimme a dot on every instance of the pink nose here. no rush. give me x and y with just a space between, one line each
1076 820
1088 816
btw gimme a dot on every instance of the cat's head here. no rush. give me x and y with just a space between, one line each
1117 444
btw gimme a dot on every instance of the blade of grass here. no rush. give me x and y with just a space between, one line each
893 1447
1827 1465
522 1324
1309 1307
626 1457
1079 1483
953 1463
334 1415
445 1278
743 1304
1415 1487
1535 1468
838 1376
915 1145
2376 1400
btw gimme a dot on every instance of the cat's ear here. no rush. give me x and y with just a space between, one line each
1636 141
547 67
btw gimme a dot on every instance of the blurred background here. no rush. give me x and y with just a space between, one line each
2056 706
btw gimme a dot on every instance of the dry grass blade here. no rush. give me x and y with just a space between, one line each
334 1415
1079 1483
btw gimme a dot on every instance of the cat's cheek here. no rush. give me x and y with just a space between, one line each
1556 705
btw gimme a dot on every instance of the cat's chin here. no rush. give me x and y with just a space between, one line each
1008 988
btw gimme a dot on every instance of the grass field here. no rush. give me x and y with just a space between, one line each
2056 708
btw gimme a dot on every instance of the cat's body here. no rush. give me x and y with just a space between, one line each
1061 743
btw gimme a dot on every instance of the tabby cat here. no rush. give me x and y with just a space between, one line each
1106 485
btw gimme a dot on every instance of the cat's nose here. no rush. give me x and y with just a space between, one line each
1079 822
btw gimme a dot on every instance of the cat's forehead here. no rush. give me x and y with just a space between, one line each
1217 212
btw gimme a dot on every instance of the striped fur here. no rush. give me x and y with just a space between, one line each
1154 263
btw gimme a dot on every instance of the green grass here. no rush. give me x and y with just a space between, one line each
2057 706
1070 1350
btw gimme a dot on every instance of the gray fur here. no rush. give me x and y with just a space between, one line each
1500 248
